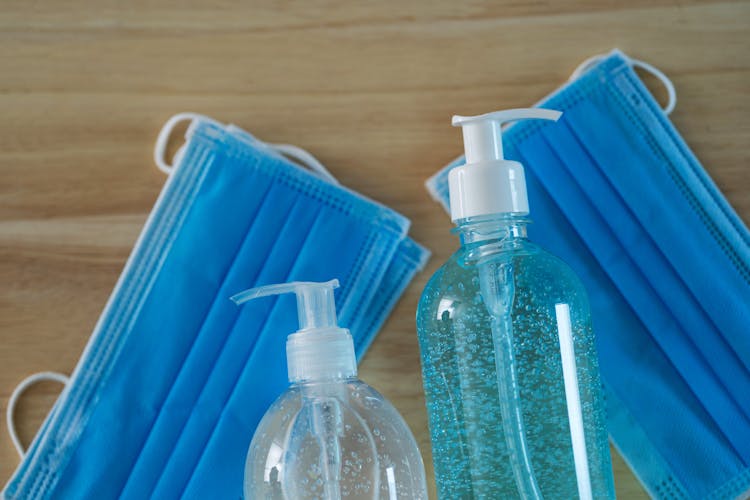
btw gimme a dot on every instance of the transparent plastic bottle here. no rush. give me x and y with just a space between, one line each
508 357
329 436
371 453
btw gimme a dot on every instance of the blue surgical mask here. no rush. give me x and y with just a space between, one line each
175 377
619 196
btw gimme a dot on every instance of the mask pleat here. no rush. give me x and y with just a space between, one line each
354 241
643 379
137 338
213 394
619 265
684 307
651 220
258 244
686 171
643 170
409 257
223 445
47 457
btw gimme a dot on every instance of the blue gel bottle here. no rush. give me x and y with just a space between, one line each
508 357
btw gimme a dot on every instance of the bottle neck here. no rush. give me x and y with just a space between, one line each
325 381
490 228
321 354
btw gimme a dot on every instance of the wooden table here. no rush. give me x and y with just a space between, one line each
368 87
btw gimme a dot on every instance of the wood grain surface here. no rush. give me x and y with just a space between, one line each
368 87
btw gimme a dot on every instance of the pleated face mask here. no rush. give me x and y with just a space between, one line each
618 195
170 388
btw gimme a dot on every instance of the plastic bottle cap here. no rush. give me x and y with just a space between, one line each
489 184
319 349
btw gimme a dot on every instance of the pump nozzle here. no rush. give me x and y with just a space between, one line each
315 304
489 184
320 348
483 139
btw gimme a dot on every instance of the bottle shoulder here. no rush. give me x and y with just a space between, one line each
358 398
347 423
529 256
542 275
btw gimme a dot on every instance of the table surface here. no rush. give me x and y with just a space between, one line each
368 87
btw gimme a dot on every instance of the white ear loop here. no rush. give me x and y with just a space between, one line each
585 65
299 155
17 392
671 94
637 63
305 159
162 140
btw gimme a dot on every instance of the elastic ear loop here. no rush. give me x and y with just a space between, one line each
15 396
301 157
162 140
636 63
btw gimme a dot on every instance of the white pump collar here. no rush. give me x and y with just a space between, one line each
488 183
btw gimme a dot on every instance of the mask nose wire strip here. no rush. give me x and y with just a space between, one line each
16 395
636 63
162 139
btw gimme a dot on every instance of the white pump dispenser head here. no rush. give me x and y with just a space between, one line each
489 184
319 349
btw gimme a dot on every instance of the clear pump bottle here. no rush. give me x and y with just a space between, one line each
329 436
508 358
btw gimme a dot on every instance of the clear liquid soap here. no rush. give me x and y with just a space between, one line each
330 436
